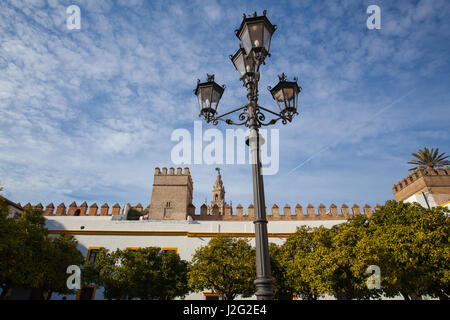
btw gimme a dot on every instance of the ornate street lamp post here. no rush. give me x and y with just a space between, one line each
254 34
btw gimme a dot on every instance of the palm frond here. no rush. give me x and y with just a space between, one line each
426 158
436 152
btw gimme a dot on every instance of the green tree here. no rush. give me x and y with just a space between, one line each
29 258
307 254
62 252
349 279
157 274
105 272
22 244
147 273
226 266
410 244
426 158
134 214
324 261
282 288
8 246
3 207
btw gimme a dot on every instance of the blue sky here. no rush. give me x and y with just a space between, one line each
86 115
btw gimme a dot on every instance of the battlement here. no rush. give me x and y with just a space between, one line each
172 177
84 210
288 213
434 181
171 172
297 213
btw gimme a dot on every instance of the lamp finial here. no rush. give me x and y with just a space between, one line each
282 77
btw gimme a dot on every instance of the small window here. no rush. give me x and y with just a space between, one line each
211 295
168 204
170 249
93 254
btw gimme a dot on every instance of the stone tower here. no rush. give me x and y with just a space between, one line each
430 187
218 201
172 195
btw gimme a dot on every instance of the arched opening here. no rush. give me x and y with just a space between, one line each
77 212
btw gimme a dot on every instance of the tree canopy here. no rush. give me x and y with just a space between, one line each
409 243
323 261
29 258
283 288
226 265
134 214
145 273
426 158
61 252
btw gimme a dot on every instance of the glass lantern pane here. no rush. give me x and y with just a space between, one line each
215 97
199 97
213 106
289 96
239 64
288 93
256 34
279 98
279 95
291 102
267 38
206 97
245 38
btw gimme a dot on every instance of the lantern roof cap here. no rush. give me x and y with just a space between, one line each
241 49
284 83
253 18
209 82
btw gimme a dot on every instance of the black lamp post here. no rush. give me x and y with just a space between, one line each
255 34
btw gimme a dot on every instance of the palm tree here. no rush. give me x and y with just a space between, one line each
429 159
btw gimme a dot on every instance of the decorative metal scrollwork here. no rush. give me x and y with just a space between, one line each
244 117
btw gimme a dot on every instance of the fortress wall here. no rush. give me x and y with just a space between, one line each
433 181
322 212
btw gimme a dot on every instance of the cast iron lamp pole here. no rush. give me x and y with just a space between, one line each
255 34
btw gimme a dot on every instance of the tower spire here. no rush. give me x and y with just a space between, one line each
218 200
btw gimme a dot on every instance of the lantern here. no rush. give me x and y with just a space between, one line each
208 94
255 34
242 62
285 93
